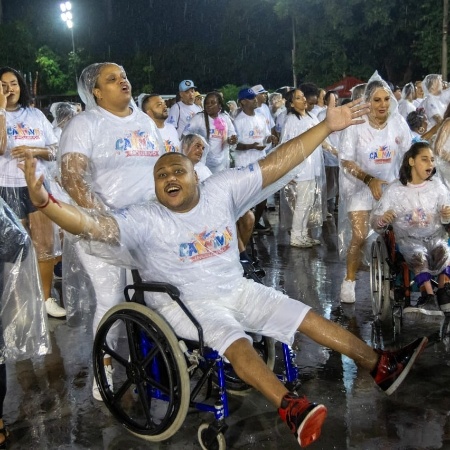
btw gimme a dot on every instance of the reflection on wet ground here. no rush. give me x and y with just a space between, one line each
49 403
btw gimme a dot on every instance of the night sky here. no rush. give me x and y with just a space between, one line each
214 42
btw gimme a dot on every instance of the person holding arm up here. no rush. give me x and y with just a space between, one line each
188 236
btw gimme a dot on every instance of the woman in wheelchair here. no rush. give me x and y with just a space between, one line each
188 238
417 206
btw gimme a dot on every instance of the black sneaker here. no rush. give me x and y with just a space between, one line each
305 419
426 305
443 297
392 367
261 229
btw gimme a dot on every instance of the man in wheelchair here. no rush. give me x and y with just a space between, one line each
188 238
417 206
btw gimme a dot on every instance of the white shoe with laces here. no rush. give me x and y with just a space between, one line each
53 309
109 377
348 291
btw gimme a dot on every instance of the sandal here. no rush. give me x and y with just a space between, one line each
4 431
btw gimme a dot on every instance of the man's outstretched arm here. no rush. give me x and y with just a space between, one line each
70 218
295 151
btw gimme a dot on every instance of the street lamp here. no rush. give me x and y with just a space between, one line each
67 17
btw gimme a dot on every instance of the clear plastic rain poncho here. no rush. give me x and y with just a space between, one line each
196 251
364 149
106 163
435 99
442 152
302 200
405 105
29 127
419 234
22 309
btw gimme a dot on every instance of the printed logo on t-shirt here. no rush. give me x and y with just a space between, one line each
137 143
205 245
22 131
169 146
256 133
417 218
383 155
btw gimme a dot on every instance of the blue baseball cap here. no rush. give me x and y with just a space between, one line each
246 94
185 85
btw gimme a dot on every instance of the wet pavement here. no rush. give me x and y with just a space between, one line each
49 404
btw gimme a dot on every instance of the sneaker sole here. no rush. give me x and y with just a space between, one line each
311 427
427 312
407 368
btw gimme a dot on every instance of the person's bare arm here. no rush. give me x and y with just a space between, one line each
441 139
75 180
3 135
375 184
295 151
72 219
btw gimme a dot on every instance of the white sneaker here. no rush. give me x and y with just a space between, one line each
348 291
313 241
300 242
109 377
53 309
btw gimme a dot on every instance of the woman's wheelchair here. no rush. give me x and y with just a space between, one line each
157 376
392 282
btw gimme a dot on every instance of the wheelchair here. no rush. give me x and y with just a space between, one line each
158 376
392 284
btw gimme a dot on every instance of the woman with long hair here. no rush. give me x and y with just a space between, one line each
218 130
370 155
28 129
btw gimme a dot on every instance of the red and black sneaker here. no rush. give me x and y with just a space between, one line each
392 367
305 419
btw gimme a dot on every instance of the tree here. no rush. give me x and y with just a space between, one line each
53 80
356 37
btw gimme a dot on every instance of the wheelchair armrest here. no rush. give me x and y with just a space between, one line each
156 286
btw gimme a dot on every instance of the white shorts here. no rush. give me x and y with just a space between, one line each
253 308
360 202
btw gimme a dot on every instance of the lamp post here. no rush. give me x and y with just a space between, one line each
67 17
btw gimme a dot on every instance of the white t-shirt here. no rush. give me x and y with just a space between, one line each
122 152
170 138
180 114
434 105
405 107
250 129
196 251
329 159
203 171
377 152
310 168
220 129
26 126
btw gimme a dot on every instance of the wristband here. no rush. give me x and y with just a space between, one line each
367 179
50 197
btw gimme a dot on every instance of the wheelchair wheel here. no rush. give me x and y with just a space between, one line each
265 347
151 389
380 282
203 436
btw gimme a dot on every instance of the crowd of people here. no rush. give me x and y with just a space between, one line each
150 180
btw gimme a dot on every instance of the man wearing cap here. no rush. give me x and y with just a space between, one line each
261 97
254 135
183 111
